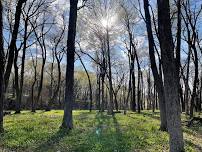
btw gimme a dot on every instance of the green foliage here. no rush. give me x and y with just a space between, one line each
93 132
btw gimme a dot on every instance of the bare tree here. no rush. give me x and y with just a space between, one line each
170 77
157 75
69 91
12 45
2 66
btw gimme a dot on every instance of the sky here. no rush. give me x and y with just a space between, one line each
61 7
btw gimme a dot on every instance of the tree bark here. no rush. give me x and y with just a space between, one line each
89 82
69 90
110 105
170 77
17 89
2 66
157 76
23 64
178 51
13 42
195 85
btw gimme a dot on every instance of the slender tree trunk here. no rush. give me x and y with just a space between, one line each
17 89
195 85
69 90
170 77
178 51
142 92
129 90
149 91
110 105
139 78
50 102
181 98
23 62
32 95
157 76
2 66
98 93
138 92
41 81
33 84
89 82
103 91
187 83
115 100
13 42
154 99
133 99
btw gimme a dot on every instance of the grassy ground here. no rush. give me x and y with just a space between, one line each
93 132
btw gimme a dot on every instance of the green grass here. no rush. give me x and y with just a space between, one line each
93 132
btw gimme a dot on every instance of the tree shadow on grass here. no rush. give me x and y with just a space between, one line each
154 115
106 136
194 145
52 141
144 114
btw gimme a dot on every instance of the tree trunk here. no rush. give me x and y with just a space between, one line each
103 91
33 84
133 99
13 42
178 51
110 105
17 90
170 77
23 61
41 81
2 66
98 92
89 82
195 85
186 98
69 90
157 76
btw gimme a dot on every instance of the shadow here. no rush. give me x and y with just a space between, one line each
52 141
103 122
197 147
117 126
154 115
106 136
27 112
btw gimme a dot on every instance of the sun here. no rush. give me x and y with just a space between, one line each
108 22
105 22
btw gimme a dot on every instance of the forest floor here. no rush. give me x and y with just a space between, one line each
93 132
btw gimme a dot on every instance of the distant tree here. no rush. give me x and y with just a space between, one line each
191 18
